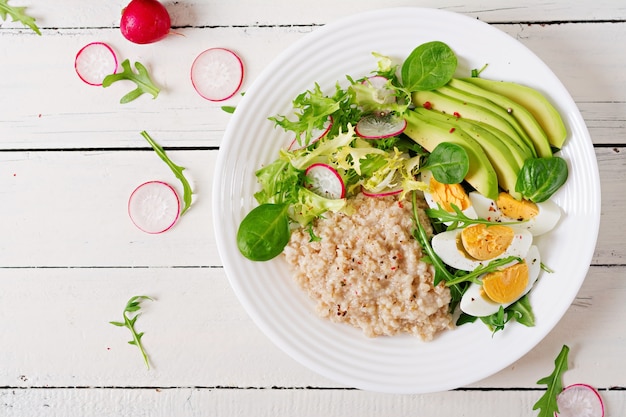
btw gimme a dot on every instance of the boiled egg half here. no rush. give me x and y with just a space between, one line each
538 218
478 244
502 288
445 196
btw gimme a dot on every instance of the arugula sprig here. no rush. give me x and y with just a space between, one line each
18 14
141 78
176 169
132 307
547 404
458 219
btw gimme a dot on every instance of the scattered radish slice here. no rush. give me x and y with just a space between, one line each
94 62
385 94
579 400
325 181
379 127
386 193
316 135
217 74
154 207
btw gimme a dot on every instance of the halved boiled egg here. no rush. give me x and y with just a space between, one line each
477 245
446 195
502 288
538 218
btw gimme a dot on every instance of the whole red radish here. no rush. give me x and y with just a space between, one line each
145 21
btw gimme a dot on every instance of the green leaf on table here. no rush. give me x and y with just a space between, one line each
141 78
132 306
18 14
176 169
547 404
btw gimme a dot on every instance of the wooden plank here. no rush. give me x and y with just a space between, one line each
55 333
196 402
85 221
75 13
59 119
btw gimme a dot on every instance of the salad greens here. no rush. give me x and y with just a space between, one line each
176 169
18 14
132 307
141 78
547 404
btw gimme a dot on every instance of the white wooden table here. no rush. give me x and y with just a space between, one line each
70 258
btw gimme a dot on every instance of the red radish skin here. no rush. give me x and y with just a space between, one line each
145 21
579 400
95 61
325 181
154 207
217 74
387 193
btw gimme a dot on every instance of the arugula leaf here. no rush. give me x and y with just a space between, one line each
547 404
17 14
132 306
497 321
522 311
145 85
177 170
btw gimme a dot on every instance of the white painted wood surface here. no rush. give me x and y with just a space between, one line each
70 258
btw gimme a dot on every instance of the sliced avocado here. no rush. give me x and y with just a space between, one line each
519 113
429 133
535 102
465 109
501 156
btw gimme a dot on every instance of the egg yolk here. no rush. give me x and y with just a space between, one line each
448 194
507 285
516 209
483 242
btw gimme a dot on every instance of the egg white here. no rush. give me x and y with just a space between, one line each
475 304
446 247
546 220
426 176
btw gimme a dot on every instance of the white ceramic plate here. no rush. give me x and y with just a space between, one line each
284 313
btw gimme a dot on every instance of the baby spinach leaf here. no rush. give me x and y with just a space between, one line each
540 178
448 162
430 65
264 232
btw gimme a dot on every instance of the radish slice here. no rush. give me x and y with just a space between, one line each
154 207
325 181
385 94
94 62
316 135
217 74
579 400
386 193
379 127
